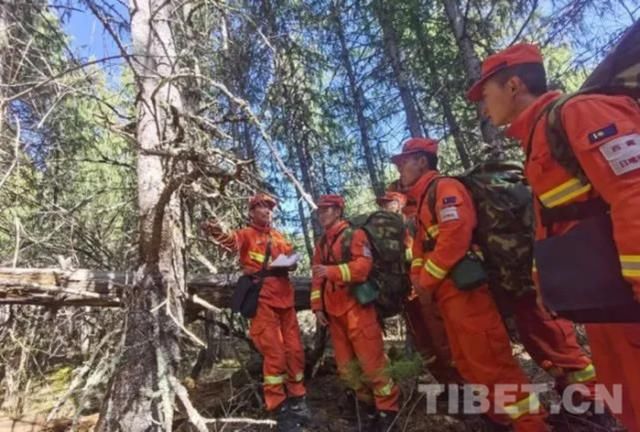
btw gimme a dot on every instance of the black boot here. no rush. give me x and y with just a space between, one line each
287 422
364 418
386 421
361 415
591 420
299 409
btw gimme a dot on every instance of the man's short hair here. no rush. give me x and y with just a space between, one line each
432 159
532 75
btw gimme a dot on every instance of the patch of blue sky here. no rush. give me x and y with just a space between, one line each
90 41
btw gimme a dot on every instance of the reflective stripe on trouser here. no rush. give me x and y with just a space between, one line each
481 348
296 378
551 343
273 379
275 333
357 340
583 375
616 356
523 407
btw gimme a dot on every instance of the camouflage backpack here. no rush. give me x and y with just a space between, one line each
388 283
503 203
617 74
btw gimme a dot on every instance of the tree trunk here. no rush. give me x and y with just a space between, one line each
357 95
384 12
141 393
308 241
472 65
4 42
454 127
286 70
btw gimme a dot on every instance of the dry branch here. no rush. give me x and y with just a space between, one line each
83 287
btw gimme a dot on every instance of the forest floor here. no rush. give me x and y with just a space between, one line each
228 390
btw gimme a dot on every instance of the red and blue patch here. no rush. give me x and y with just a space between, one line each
605 132
450 200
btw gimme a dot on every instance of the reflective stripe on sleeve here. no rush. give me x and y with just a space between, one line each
345 272
630 265
563 193
256 256
434 270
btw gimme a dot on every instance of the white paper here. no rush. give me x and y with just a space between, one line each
285 261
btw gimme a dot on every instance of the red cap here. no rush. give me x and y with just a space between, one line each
262 198
521 53
416 145
331 201
392 196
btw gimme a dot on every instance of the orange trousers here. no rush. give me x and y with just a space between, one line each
482 353
358 346
275 333
429 335
616 355
552 344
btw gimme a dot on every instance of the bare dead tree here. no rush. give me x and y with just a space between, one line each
471 63
141 393
358 99
384 12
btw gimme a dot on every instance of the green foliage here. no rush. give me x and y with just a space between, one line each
72 192
404 367
401 367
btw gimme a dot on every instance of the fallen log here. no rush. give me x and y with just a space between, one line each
84 287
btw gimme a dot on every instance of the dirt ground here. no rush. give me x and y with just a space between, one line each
231 389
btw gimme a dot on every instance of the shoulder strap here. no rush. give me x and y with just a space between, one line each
347 238
529 146
328 251
557 138
559 145
429 195
267 255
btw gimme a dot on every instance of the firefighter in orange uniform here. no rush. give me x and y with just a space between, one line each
274 330
423 319
479 342
598 127
355 331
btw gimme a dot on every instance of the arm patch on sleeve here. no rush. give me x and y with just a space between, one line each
448 214
450 200
605 132
622 153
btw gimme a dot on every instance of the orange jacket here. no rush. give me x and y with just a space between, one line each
251 245
604 132
455 221
336 299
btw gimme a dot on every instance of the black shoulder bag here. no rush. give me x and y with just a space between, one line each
579 272
245 297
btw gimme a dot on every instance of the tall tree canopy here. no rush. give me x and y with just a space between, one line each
115 147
